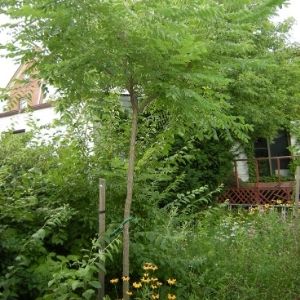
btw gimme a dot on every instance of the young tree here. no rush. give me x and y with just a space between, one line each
162 51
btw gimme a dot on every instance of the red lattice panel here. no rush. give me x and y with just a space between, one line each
257 195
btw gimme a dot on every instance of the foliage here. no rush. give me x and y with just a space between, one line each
190 203
44 226
198 163
48 202
25 269
271 73
77 277
230 67
225 255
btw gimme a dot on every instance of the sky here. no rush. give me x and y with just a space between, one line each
8 67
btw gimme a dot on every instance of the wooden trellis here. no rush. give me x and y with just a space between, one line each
258 195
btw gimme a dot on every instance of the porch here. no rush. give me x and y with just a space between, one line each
260 181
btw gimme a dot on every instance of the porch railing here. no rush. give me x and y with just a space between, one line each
257 191
274 165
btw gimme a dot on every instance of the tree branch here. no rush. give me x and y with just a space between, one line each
145 104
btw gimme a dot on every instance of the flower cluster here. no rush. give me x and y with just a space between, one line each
148 285
150 266
267 207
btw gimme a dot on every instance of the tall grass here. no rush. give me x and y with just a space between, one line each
225 255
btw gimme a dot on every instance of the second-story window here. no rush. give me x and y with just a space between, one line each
23 104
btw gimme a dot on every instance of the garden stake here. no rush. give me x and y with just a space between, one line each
297 190
101 290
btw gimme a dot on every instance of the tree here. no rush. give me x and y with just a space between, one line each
158 51
266 87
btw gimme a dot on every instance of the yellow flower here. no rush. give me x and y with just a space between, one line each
150 266
146 274
158 283
125 278
252 210
129 293
171 297
155 296
147 266
146 280
171 281
278 201
114 281
137 285
153 286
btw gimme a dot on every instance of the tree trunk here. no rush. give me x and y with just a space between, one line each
128 201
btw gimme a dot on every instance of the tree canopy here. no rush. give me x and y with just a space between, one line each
174 51
216 59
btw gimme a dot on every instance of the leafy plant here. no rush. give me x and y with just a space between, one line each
148 286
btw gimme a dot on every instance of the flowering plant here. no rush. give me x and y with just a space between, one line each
148 286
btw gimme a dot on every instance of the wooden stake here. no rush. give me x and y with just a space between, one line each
297 191
101 291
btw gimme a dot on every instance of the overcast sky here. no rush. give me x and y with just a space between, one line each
7 67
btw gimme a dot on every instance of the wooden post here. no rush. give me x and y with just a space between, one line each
278 169
269 157
101 275
236 175
257 172
257 198
297 190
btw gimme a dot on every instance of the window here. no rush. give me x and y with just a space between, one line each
23 103
3 106
49 94
261 148
271 150
18 131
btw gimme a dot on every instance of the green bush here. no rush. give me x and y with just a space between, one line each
48 204
224 255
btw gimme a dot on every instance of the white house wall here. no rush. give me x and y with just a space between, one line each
242 166
21 121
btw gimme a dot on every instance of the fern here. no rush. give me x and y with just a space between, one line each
193 201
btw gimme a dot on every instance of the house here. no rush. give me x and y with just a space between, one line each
266 176
27 99
30 99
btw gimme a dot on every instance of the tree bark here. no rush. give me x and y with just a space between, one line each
128 201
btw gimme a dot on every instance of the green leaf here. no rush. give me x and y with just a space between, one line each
100 266
76 284
51 282
40 234
88 294
95 284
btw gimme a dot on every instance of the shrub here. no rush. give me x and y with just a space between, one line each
225 255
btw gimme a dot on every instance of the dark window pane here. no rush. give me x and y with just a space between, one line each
261 148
